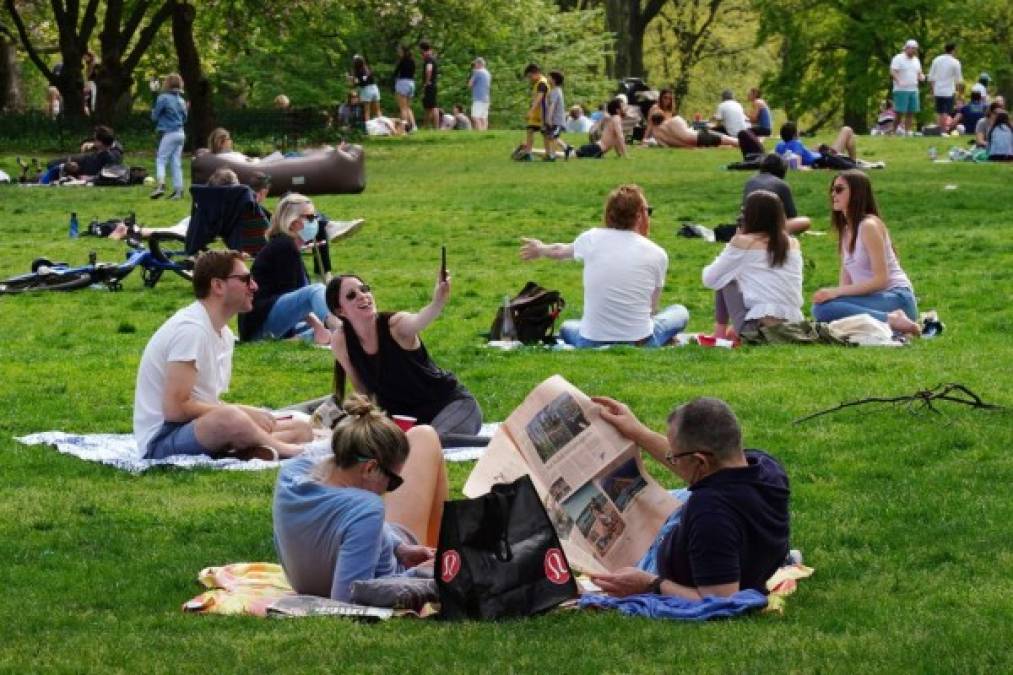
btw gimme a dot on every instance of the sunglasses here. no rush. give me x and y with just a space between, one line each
363 289
243 278
650 210
308 216
838 189
394 481
670 458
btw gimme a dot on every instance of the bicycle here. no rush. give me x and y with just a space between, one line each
164 253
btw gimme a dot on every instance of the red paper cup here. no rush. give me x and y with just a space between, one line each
404 422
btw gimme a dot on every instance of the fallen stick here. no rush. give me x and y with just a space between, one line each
942 392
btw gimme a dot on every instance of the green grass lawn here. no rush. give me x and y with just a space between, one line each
906 518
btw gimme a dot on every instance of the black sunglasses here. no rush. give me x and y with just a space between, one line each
838 189
308 216
650 210
394 481
363 289
243 278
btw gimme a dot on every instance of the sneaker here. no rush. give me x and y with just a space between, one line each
549 158
158 192
526 158
931 325
569 150
176 194
337 229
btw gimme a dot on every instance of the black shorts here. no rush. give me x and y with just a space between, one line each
591 150
552 131
534 127
944 105
706 139
429 96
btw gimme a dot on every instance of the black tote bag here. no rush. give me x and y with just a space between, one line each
499 556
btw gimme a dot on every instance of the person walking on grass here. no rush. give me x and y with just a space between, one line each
906 71
536 111
186 367
945 75
169 115
480 84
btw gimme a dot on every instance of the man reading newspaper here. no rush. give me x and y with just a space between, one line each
616 523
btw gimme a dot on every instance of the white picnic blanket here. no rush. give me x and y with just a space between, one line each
120 451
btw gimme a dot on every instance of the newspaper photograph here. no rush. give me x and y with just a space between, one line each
604 505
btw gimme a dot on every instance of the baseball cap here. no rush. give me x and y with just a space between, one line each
911 44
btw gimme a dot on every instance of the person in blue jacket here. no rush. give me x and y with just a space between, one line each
169 115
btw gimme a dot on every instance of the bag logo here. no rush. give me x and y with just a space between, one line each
450 565
556 569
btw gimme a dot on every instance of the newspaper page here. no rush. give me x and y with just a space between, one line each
606 508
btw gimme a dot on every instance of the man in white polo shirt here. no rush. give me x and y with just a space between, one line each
906 71
624 273
945 75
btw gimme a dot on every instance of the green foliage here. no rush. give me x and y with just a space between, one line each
906 518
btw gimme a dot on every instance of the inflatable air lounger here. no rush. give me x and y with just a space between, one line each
321 173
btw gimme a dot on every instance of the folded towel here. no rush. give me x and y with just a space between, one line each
668 607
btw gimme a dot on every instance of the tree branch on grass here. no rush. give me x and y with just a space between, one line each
953 392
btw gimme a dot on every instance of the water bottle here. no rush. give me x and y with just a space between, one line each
72 231
933 154
507 331
791 159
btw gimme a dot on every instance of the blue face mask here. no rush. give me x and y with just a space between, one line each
309 230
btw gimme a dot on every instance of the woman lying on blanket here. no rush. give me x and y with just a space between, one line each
371 510
871 279
758 276
384 357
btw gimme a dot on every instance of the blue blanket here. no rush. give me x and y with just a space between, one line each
667 607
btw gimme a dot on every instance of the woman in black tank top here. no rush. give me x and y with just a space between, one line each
384 357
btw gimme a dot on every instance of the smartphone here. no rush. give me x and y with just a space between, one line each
443 263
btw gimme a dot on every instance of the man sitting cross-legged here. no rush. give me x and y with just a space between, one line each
186 367
732 532
624 273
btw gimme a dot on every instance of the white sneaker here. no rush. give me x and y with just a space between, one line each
336 229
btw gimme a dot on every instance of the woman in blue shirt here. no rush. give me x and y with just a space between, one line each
372 509
169 115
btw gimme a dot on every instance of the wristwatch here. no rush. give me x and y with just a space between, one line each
655 586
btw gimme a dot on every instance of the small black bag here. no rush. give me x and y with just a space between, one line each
534 311
113 174
499 556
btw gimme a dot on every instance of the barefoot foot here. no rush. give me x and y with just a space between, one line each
898 321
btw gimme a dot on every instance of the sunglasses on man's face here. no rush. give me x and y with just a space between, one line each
352 292
243 278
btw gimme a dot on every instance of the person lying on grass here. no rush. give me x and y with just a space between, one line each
186 367
757 278
871 279
731 534
675 133
372 509
624 273
384 356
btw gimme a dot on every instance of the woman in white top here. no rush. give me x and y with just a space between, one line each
758 275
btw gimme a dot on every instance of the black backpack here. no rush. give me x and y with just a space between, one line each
534 311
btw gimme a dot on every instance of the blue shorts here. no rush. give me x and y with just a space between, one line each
404 87
906 102
175 439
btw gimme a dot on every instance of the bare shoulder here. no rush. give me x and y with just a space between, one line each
873 224
748 241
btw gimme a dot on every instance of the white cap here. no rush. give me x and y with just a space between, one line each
911 44
622 97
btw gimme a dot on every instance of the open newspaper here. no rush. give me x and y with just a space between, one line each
606 508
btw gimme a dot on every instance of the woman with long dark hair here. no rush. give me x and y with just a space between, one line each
871 279
369 93
404 85
371 509
384 357
758 275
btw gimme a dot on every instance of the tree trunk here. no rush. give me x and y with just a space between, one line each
855 95
617 14
201 120
11 92
114 97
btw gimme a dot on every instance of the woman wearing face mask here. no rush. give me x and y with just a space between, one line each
286 304
383 355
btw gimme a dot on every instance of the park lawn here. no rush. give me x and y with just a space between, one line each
906 517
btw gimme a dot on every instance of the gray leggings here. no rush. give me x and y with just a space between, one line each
729 307
460 416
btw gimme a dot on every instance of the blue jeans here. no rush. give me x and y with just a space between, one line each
649 563
287 316
667 323
876 305
170 149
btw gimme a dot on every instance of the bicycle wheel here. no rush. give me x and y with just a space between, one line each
169 247
70 281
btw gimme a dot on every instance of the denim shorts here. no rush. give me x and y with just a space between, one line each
404 88
370 92
175 439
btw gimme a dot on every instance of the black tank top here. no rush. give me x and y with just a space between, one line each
403 382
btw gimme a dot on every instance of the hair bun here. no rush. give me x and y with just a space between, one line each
358 405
